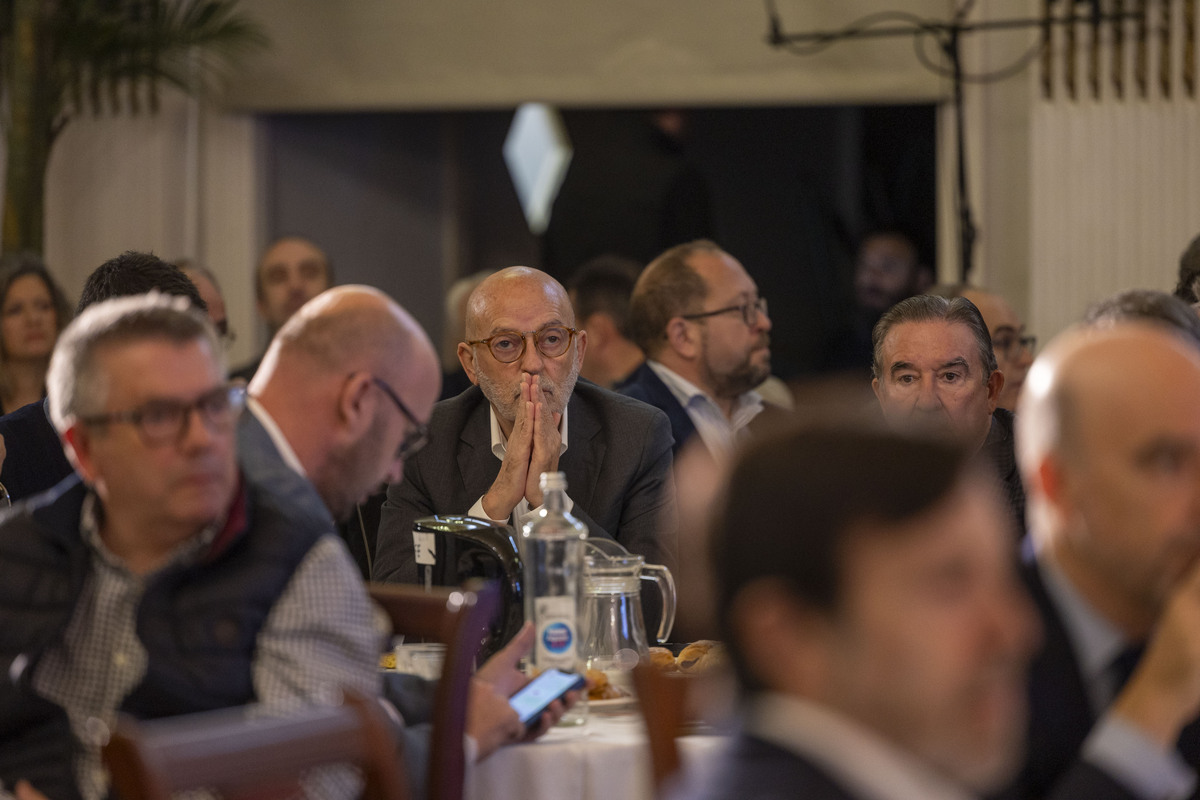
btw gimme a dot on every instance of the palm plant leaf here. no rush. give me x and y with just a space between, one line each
109 50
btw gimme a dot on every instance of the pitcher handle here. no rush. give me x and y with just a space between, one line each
666 585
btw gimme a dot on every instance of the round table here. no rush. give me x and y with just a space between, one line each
607 758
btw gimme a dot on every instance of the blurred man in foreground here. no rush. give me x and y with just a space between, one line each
881 637
1109 439
163 583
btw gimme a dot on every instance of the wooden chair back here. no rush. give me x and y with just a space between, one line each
458 618
663 701
250 757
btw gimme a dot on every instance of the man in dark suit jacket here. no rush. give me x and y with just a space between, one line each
527 415
696 313
1110 453
934 370
879 636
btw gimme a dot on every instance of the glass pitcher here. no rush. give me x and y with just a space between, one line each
612 627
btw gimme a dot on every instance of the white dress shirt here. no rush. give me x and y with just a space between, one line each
868 765
718 432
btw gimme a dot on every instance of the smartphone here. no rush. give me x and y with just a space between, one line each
531 701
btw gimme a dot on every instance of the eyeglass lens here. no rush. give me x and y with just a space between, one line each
509 346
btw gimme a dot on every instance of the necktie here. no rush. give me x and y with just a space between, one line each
1123 666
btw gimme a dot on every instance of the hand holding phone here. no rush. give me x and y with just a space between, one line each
532 700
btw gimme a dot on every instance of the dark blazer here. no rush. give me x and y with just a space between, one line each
645 385
753 769
617 463
1060 717
34 460
1000 449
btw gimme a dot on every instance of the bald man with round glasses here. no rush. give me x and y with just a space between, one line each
527 413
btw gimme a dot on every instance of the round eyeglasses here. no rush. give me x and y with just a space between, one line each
508 346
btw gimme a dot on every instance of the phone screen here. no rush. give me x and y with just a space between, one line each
530 702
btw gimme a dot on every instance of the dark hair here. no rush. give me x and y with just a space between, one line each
927 308
1146 304
1188 287
667 288
76 380
137 273
605 284
13 268
22 264
794 500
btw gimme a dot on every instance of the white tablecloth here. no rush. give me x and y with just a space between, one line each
607 758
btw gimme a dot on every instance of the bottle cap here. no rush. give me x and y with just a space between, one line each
553 480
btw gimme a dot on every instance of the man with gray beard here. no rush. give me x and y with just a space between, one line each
527 414
704 328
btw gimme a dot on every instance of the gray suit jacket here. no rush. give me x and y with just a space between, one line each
618 467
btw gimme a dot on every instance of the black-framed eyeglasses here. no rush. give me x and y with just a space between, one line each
508 346
749 311
1005 344
160 422
418 435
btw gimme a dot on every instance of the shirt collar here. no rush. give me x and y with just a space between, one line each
689 394
864 762
500 442
90 519
277 438
1094 639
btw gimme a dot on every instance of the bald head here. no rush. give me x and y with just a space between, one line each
512 291
347 328
326 381
1109 446
1009 341
1087 371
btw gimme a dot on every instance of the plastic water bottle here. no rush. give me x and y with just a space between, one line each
552 542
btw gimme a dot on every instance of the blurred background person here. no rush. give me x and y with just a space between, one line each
1146 305
600 292
1012 346
33 310
291 272
210 291
887 269
1187 287
454 380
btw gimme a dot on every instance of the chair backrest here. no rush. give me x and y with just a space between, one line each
459 619
247 756
663 700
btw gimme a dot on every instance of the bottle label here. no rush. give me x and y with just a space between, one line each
556 633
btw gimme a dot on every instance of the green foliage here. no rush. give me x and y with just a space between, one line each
60 58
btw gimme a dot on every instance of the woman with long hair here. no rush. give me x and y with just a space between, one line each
33 311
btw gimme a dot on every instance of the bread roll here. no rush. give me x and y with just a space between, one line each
661 658
701 656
